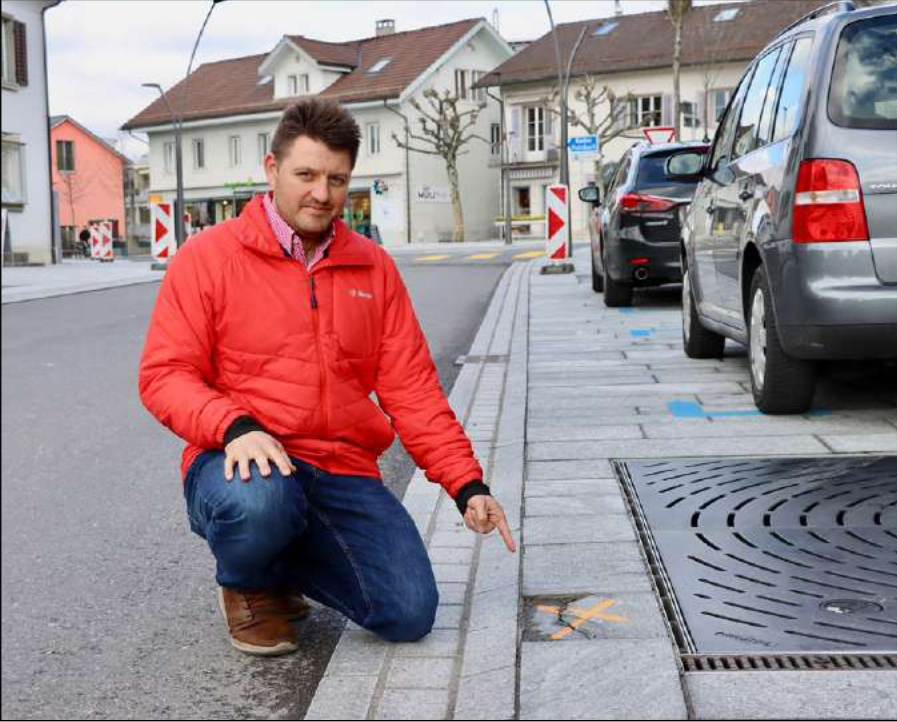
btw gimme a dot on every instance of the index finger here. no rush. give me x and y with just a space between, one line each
501 524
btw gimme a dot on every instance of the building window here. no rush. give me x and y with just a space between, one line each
234 145
719 99
262 146
461 84
199 153
15 53
645 112
372 133
292 85
535 128
478 94
303 83
65 156
495 139
168 156
13 172
725 15
606 28
689 114
143 214
379 65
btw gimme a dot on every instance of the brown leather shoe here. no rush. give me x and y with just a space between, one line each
256 621
294 604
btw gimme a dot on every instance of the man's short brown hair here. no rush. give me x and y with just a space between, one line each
319 119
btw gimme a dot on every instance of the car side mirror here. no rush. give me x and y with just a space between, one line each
590 194
685 165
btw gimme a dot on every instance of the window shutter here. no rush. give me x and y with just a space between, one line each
699 110
19 37
666 110
516 139
618 111
549 129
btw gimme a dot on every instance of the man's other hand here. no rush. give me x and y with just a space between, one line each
256 446
484 514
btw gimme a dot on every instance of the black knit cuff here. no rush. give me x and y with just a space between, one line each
468 491
239 426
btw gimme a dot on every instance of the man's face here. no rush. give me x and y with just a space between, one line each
310 184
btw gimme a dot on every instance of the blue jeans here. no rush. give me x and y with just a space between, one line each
344 541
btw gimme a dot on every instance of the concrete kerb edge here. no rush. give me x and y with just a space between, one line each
57 293
426 500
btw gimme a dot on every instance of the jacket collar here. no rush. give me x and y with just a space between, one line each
347 249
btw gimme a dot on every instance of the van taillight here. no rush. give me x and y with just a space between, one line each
639 203
828 203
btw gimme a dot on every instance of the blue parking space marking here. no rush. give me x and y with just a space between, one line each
641 332
694 410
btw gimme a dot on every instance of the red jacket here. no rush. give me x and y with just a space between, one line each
240 329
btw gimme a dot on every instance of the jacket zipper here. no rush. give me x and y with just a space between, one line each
323 370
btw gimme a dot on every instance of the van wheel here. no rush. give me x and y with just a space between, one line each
781 384
597 279
697 341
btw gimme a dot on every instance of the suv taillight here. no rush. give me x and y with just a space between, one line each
638 203
828 203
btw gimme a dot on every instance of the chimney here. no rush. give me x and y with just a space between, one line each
386 27
618 8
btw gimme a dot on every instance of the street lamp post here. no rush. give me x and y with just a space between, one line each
177 122
179 229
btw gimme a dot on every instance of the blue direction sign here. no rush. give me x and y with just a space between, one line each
583 145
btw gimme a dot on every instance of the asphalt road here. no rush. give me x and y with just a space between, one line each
108 601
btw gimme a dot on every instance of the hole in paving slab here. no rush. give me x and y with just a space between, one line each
772 557
553 619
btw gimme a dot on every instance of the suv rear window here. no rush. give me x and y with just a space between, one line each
864 81
652 170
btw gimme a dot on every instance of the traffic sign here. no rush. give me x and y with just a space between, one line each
558 221
583 145
660 134
164 244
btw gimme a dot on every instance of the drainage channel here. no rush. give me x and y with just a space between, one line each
787 563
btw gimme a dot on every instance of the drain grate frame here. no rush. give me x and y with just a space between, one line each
810 498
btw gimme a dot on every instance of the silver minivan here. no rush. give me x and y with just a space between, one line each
790 243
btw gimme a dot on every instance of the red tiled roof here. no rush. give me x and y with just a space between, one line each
645 41
231 87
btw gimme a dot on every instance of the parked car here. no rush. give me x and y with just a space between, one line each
790 244
635 233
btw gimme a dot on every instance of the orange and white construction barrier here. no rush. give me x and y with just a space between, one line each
557 228
162 219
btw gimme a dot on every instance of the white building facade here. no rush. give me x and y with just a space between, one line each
28 226
399 196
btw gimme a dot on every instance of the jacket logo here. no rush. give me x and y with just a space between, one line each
355 293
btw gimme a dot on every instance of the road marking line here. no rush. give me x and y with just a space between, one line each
530 254
431 258
482 256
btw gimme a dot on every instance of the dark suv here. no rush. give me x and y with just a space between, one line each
635 233
790 244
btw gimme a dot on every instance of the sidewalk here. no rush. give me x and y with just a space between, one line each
555 388
73 276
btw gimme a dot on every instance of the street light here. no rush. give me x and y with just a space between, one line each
177 122
179 230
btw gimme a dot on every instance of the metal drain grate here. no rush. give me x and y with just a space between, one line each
772 556
767 663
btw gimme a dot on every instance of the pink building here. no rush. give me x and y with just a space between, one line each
88 176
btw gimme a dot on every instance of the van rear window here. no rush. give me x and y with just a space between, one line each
864 82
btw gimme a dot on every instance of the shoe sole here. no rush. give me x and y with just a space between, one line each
274 651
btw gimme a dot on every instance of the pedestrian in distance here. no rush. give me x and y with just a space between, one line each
269 336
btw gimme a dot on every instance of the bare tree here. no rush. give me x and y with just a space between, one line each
72 189
444 131
676 12
604 114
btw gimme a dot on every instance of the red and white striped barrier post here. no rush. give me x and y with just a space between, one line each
557 230
164 244
105 233
95 241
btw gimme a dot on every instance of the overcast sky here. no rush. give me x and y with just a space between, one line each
100 51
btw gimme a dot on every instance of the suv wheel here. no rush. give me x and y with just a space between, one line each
597 278
697 341
781 384
616 293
